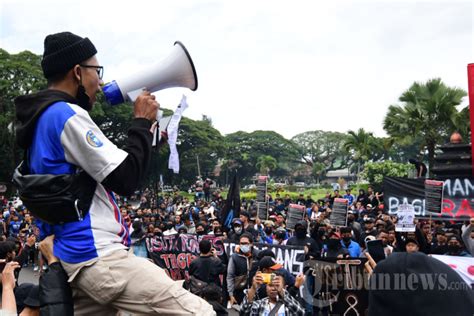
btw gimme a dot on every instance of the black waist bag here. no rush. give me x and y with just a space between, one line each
55 199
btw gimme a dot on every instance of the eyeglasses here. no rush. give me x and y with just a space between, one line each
99 69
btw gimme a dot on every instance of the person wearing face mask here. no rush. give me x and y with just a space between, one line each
267 234
239 267
333 247
281 236
301 238
200 229
456 248
347 243
237 231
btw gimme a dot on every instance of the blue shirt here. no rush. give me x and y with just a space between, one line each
353 249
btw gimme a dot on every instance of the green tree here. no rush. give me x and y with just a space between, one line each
19 74
244 149
361 145
265 164
374 172
428 111
199 142
322 147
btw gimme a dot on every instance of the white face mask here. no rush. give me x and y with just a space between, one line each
238 230
245 248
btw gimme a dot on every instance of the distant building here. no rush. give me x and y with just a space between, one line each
333 175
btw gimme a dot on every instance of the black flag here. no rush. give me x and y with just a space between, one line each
231 209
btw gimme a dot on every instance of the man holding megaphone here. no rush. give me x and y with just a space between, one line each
68 178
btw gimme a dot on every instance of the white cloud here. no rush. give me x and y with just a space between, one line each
276 65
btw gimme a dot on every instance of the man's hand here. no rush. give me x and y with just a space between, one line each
257 280
8 278
46 248
370 264
299 280
232 300
146 107
31 240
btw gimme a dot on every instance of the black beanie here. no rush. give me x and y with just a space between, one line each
62 51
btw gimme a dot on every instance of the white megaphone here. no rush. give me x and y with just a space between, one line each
176 70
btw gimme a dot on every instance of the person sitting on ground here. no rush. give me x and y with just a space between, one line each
277 302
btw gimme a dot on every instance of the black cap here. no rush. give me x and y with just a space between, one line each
269 263
62 51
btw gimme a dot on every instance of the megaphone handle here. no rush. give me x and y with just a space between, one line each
133 95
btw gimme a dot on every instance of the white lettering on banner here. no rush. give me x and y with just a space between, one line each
418 204
288 257
457 187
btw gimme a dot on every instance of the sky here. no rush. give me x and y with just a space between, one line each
284 66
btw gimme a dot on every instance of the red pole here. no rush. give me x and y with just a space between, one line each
470 87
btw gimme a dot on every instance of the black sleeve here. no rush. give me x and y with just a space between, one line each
125 179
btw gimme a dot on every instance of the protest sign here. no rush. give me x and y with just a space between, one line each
295 214
405 218
262 202
174 253
434 196
339 212
458 197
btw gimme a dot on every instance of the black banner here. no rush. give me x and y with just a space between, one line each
458 200
174 253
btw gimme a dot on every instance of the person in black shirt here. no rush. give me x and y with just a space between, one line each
207 267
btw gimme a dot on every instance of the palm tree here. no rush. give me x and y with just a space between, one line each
362 145
428 113
266 163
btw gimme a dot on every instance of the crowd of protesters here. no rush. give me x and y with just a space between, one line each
149 214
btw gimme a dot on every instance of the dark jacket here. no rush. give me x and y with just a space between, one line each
314 250
30 107
207 269
55 294
239 265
